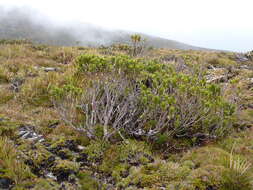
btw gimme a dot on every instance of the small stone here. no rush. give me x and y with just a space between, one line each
79 147
21 133
51 176
27 135
244 67
216 79
41 140
50 69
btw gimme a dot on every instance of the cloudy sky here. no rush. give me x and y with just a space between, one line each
218 24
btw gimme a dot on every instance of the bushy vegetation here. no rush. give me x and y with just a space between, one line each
140 98
107 119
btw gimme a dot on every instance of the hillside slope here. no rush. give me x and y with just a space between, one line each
44 144
19 24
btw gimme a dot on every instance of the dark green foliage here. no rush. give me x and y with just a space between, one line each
92 63
166 103
58 92
121 65
187 104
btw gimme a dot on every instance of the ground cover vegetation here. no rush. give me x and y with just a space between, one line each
124 117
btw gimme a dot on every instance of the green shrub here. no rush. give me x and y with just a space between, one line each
222 62
184 105
121 65
150 99
91 63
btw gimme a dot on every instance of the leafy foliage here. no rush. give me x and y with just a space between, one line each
148 98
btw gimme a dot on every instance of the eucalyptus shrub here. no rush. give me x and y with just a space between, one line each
122 65
146 98
184 106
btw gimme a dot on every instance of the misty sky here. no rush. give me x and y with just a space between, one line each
218 24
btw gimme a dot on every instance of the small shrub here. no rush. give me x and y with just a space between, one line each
137 44
91 63
222 62
149 99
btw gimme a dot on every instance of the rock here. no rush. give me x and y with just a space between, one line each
241 58
28 133
6 183
216 79
244 67
50 69
51 176
16 84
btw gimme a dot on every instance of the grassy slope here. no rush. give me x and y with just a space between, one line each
195 168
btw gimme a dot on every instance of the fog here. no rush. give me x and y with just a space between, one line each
225 25
25 23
